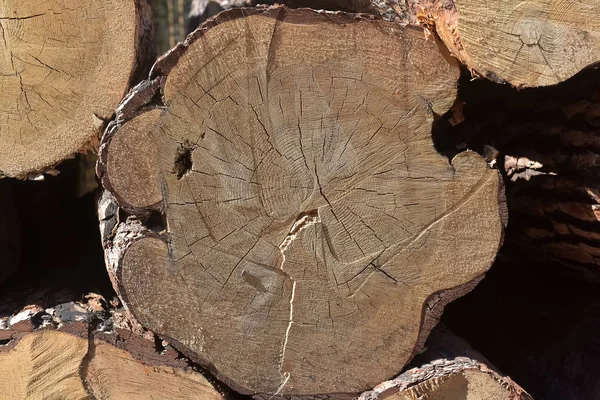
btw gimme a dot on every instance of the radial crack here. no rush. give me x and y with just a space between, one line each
304 220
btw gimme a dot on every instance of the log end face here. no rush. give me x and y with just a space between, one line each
135 150
527 44
307 212
61 71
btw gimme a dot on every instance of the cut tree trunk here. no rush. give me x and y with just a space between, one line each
449 370
526 44
63 70
292 226
70 353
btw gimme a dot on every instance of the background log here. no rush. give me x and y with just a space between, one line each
81 350
450 369
63 70
525 44
323 213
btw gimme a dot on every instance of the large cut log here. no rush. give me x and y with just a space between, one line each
525 43
450 369
70 353
292 226
64 67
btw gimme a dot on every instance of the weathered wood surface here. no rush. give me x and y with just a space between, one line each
64 67
525 43
450 369
310 234
74 351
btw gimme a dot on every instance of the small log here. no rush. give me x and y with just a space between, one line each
69 352
527 44
450 369
63 70
292 226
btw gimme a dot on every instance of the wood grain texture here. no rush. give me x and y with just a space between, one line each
525 43
81 351
307 220
113 374
64 67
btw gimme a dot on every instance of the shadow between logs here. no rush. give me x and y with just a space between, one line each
54 238
536 315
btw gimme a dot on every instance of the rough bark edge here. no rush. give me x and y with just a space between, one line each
448 355
438 369
165 63
143 97
436 17
202 10
117 238
436 302
87 322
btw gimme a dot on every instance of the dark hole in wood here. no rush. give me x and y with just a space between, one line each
183 160
158 345
156 220
4 342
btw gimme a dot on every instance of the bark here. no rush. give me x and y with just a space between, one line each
82 351
526 44
63 72
201 10
450 369
294 212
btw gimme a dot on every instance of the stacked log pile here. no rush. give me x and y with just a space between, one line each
290 197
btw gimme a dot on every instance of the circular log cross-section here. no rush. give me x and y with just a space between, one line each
64 67
526 43
309 223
